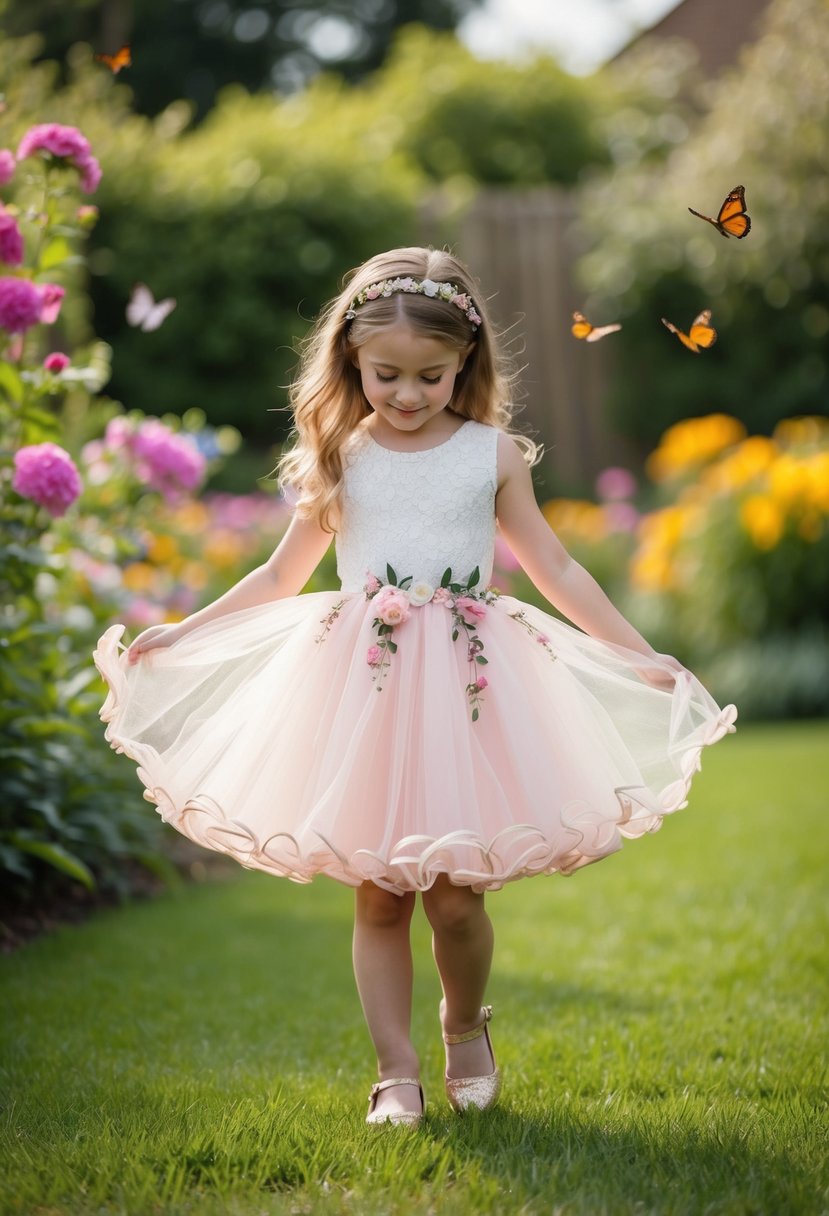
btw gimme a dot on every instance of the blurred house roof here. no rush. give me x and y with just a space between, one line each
719 29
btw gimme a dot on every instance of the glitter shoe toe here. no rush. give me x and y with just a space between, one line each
478 1092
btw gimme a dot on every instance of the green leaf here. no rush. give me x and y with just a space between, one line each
390 575
474 578
56 252
56 856
10 383
479 658
456 587
454 635
404 582
392 646
474 715
447 577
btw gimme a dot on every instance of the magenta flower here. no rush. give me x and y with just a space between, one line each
11 240
7 166
481 683
47 475
51 297
373 655
20 305
56 362
64 143
167 462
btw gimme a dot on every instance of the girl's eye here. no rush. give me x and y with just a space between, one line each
384 379
432 379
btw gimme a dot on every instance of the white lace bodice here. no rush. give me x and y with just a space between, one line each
419 511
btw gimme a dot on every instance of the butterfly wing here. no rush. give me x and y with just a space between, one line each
581 327
121 59
732 219
701 336
144 311
702 332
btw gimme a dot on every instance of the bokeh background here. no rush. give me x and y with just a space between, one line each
251 155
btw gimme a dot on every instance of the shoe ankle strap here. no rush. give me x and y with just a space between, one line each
379 1086
469 1035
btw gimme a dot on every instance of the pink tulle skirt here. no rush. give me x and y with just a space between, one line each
263 735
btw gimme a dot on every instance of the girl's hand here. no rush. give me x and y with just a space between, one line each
655 673
151 639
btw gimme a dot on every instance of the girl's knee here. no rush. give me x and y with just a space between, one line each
383 909
454 910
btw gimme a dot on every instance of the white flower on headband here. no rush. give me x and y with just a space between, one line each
449 292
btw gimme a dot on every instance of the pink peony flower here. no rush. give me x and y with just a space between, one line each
615 483
166 461
7 166
11 240
46 474
472 611
373 655
56 362
392 605
20 305
482 682
64 143
51 299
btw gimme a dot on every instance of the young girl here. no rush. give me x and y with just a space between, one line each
413 731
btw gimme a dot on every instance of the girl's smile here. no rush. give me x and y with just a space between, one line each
408 381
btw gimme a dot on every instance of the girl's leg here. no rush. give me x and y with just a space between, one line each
462 941
383 970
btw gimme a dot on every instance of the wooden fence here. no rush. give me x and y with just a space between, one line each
521 246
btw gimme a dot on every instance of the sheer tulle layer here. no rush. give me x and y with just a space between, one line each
257 739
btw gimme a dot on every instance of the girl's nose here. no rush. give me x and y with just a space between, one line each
407 394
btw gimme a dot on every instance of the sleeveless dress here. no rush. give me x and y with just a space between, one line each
399 734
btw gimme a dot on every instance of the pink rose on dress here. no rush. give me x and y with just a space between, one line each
472 611
7 166
46 474
56 362
11 240
392 605
482 682
443 596
372 583
373 655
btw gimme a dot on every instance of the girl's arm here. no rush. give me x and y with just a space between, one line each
285 573
557 576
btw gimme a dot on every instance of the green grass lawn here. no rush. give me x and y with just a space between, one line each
661 1019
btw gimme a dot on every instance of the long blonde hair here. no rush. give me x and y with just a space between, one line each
327 397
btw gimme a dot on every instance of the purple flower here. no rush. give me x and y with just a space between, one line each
166 461
64 143
51 297
7 166
56 362
615 484
11 241
20 305
46 474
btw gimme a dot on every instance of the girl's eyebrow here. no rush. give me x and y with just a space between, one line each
433 367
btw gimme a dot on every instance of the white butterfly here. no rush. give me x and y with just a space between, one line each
145 312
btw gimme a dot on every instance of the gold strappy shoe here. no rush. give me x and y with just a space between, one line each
478 1092
408 1118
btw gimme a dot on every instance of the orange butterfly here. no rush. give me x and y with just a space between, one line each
731 219
121 59
584 330
702 334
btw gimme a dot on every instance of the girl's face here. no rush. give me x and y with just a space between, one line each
408 380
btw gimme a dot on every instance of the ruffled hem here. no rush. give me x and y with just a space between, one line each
581 831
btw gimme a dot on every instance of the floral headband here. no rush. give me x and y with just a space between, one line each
449 292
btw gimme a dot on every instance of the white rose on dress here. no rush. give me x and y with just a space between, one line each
420 593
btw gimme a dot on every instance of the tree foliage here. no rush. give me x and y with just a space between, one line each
194 48
767 127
